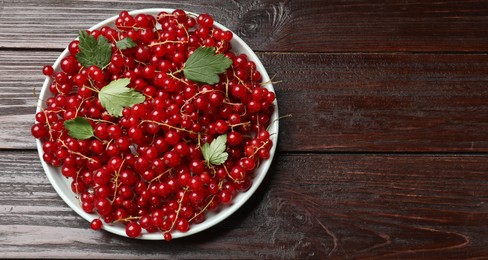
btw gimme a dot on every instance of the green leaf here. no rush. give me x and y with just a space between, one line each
126 43
214 153
79 128
205 150
116 96
93 51
204 65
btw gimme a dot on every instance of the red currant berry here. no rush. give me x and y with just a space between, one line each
48 70
133 229
96 224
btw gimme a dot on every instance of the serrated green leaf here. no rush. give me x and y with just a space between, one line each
219 159
79 128
116 96
215 152
218 144
104 54
93 51
205 149
125 43
204 65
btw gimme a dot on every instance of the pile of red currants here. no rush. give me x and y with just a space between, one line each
187 147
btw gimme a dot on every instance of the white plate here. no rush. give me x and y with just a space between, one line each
63 185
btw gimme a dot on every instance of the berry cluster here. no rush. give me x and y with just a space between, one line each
146 168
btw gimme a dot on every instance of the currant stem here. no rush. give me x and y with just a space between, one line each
91 87
270 81
159 176
101 120
196 95
277 119
180 204
50 129
259 148
180 80
228 175
76 179
127 219
82 155
177 71
226 85
169 126
203 210
116 180
241 81
243 123
161 43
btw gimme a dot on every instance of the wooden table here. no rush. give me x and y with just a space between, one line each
385 155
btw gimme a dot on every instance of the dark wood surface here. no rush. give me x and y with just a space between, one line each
385 155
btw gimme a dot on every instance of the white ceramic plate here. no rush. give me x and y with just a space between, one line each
63 185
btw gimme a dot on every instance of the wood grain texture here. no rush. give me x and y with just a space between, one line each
382 102
338 102
310 206
267 25
384 157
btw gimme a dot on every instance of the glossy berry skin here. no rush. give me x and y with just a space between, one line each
103 206
133 229
39 131
153 166
48 70
96 224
